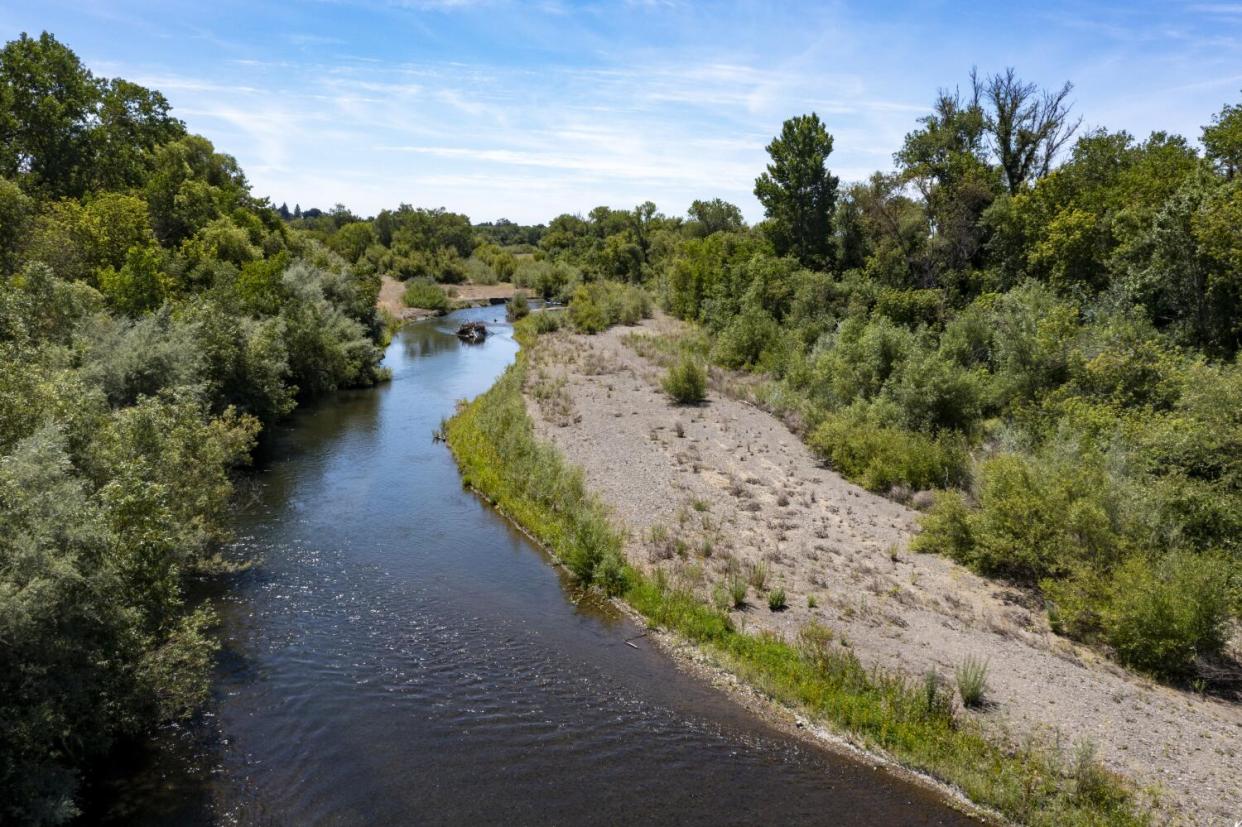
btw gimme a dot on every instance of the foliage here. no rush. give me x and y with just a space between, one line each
686 381
880 456
597 306
153 316
425 294
494 442
797 191
518 307
972 681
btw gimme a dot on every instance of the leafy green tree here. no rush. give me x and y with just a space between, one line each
47 98
352 240
16 212
798 193
189 186
947 160
132 122
1223 140
715 216
140 286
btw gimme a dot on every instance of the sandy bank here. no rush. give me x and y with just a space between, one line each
465 295
725 485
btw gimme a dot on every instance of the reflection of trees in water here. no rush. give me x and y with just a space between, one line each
426 339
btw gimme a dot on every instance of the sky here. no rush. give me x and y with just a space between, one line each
526 110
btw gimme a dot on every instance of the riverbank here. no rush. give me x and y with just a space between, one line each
501 441
391 301
730 476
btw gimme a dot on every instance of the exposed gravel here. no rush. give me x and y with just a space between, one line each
730 475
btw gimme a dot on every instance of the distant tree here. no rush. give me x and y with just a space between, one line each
1223 140
1028 126
714 216
643 217
341 215
284 211
352 240
297 210
798 193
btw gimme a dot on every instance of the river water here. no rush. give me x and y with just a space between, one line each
401 655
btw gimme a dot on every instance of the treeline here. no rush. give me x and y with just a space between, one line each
154 316
1042 325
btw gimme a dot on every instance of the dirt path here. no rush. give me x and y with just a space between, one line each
726 486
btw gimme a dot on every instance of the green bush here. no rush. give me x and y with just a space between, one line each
1160 615
599 305
737 589
546 322
425 294
776 600
1039 517
480 272
686 381
910 307
518 307
745 339
586 313
879 457
946 528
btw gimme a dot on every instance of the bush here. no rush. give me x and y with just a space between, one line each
745 339
546 322
686 381
1160 616
586 313
518 307
480 272
1038 517
426 295
972 681
597 306
776 600
946 528
879 457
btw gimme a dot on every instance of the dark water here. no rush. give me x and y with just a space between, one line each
402 656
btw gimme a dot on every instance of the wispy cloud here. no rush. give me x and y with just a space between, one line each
528 109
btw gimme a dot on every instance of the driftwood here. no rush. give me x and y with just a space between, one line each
472 332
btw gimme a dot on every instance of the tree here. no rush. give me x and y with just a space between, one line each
16 211
643 216
798 193
46 99
947 159
1028 126
714 216
132 122
1223 140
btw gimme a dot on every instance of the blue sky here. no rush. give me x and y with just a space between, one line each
527 110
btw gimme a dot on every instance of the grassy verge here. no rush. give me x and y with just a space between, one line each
912 722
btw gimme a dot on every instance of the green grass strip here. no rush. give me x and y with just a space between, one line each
494 442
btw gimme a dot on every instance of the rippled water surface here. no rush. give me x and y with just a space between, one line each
400 655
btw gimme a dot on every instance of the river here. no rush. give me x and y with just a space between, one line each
401 655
